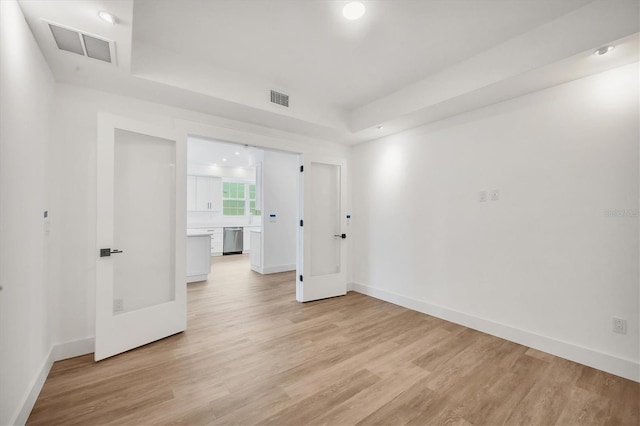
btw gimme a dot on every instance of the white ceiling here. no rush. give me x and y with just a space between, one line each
405 63
220 154
307 46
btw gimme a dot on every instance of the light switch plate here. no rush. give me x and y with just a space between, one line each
495 194
482 196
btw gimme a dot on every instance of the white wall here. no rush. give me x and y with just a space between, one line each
27 88
545 265
280 174
75 132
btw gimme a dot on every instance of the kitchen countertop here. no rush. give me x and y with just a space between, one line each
198 232
208 230
230 225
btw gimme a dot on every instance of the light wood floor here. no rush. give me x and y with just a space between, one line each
252 354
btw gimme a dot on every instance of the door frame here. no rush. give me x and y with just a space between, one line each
170 317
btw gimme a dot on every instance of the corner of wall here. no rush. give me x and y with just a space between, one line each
57 353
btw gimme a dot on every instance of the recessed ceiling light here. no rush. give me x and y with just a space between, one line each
353 10
108 17
603 50
237 153
224 159
380 127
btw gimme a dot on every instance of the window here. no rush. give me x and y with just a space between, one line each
233 199
236 197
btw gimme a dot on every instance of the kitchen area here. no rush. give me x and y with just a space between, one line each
226 187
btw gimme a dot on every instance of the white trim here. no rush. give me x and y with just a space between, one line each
22 413
273 269
626 368
279 268
197 278
72 349
56 353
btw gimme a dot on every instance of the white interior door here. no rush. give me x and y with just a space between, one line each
140 271
323 275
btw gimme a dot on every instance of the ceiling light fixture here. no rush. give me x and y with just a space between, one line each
108 17
237 153
380 127
353 10
224 159
603 50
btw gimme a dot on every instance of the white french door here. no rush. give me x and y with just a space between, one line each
321 269
140 271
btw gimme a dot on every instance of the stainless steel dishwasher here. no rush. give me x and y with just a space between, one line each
232 241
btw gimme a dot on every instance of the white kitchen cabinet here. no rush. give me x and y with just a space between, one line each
255 257
204 193
198 258
246 238
216 241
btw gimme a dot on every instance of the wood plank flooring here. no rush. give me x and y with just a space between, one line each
253 355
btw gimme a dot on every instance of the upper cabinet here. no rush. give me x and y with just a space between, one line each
204 193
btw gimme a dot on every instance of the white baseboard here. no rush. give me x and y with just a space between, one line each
197 278
73 349
626 368
28 401
57 353
278 268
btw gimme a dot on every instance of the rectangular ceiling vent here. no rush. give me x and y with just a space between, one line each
279 98
83 44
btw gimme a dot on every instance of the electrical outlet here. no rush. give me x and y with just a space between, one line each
118 305
482 196
620 325
495 194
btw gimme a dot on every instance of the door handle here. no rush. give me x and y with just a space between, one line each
343 236
105 252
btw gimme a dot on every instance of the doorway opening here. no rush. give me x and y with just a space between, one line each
242 208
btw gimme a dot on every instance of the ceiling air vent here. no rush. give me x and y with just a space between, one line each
279 98
82 44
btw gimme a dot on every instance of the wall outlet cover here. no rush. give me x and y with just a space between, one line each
620 325
482 196
495 194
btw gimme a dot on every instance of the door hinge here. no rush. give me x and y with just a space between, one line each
301 222
301 278
301 169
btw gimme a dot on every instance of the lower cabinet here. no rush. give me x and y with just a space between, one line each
216 241
256 254
198 258
246 238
